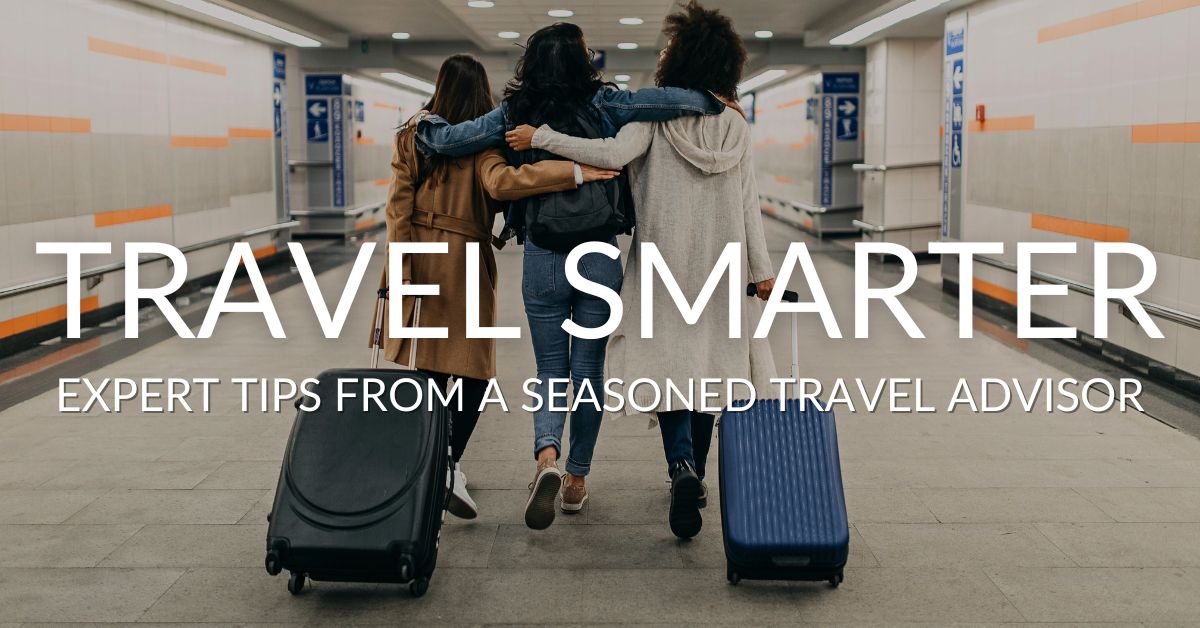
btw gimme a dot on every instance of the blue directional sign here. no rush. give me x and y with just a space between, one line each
277 97
954 41
810 109
956 149
360 111
956 113
280 66
847 129
847 107
957 76
323 85
840 83
316 109
318 131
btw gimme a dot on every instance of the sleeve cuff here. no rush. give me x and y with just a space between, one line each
541 136
578 175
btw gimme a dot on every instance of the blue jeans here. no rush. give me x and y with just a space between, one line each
550 300
686 437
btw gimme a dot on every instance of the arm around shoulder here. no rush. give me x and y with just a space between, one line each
611 152
506 183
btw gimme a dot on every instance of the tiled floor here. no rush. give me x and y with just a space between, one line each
956 518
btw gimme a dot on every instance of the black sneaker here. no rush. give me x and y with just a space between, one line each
702 501
686 489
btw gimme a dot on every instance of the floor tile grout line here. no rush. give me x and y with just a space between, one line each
122 544
182 572
1005 595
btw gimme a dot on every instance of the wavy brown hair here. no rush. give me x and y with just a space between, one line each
704 52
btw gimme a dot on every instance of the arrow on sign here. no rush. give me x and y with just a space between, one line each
317 110
847 107
958 76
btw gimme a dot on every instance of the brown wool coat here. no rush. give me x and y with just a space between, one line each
462 208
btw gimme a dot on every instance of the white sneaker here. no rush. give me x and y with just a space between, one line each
461 505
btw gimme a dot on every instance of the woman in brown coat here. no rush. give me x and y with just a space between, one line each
454 200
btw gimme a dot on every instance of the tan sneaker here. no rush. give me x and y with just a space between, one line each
574 496
539 508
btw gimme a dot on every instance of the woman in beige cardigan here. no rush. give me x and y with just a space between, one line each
453 200
695 192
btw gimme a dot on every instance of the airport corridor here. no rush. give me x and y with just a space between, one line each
979 519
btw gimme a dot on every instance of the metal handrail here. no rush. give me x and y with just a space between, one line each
345 213
885 168
817 209
1154 309
309 163
50 282
866 226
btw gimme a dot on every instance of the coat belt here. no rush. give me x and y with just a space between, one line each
452 224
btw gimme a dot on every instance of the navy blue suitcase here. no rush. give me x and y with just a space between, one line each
783 509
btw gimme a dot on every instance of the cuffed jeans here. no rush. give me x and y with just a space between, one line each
550 300
686 437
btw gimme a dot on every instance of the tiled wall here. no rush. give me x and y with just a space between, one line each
1092 131
903 113
785 142
123 123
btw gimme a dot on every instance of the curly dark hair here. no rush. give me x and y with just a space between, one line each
704 52
554 77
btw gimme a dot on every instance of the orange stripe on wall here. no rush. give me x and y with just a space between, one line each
126 51
782 179
44 124
996 292
366 141
137 214
385 105
382 182
49 316
792 103
365 224
1010 123
1079 229
264 251
199 141
1180 133
103 46
251 134
1113 17
196 65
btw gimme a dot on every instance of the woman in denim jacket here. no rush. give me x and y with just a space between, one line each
554 79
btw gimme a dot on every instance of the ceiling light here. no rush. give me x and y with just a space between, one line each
560 13
759 80
887 20
622 78
622 85
481 4
409 81
631 21
401 35
508 34
249 23
764 34
627 45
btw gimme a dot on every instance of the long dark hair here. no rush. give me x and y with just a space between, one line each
462 93
704 52
554 77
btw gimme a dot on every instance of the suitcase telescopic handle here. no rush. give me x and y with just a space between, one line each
791 297
377 332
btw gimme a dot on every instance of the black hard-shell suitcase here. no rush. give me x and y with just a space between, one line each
783 510
362 495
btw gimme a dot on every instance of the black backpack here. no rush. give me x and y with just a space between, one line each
559 221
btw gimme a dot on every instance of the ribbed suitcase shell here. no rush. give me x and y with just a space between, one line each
782 505
362 494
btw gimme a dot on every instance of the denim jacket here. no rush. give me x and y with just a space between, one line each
617 108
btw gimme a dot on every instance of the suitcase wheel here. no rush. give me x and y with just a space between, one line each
732 576
296 583
273 566
836 579
419 586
